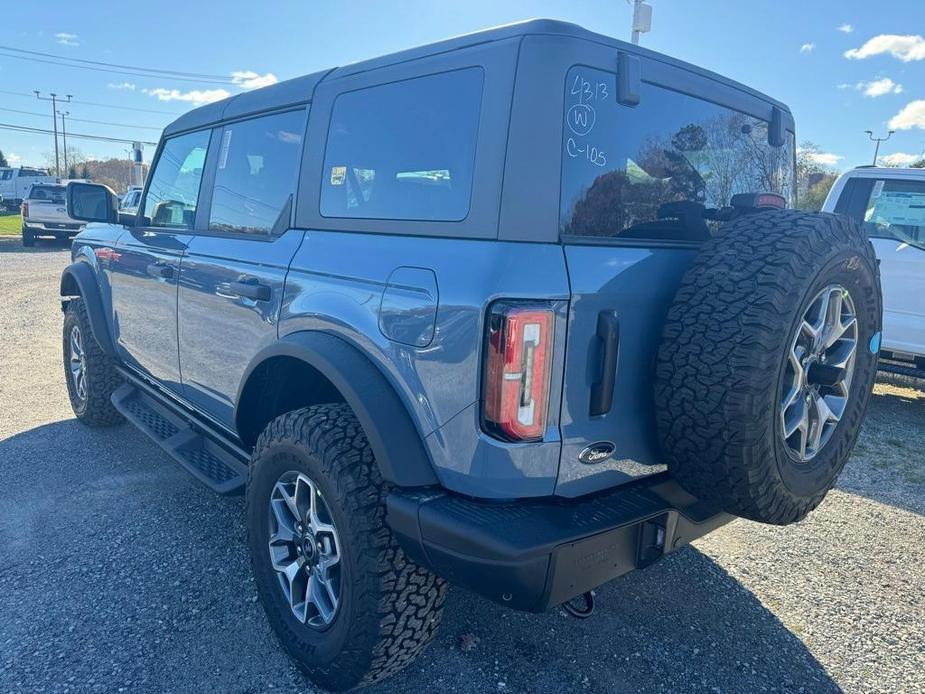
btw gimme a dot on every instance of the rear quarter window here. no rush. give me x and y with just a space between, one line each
404 150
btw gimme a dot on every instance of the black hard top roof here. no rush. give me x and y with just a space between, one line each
300 89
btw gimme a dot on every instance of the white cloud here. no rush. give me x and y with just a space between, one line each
846 28
911 116
252 80
122 85
843 85
905 48
900 159
197 97
879 87
822 158
807 47
66 39
14 159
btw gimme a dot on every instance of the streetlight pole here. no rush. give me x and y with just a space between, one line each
64 136
54 117
878 140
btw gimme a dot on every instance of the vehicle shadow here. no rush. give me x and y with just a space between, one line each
887 464
684 624
13 244
108 547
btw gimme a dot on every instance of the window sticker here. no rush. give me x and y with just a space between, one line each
338 174
226 145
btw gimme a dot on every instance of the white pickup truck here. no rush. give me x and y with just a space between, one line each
44 213
890 203
15 183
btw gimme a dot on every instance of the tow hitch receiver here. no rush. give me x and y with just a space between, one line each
651 545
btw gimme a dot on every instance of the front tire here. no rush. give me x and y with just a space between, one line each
90 373
378 610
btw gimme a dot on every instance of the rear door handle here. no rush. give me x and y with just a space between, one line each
250 290
608 334
160 270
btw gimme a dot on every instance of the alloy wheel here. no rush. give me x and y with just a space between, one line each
305 549
820 366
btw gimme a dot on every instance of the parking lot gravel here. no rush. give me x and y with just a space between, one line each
119 572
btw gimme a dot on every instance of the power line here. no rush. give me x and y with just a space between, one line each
83 120
117 65
59 63
44 131
94 103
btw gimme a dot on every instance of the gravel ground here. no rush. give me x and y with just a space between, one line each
118 572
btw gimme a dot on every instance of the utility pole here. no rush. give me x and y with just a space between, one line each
54 117
642 19
64 135
878 140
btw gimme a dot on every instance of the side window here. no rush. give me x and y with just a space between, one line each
258 165
174 188
896 210
404 150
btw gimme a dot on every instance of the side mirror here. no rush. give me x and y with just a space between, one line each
92 202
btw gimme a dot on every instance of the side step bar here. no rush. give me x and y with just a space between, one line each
223 468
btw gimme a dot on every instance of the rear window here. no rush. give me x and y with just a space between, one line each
896 209
404 150
621 165
52 193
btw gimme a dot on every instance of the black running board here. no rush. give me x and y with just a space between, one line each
219 467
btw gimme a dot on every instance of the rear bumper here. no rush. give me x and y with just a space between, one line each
53 228
533 554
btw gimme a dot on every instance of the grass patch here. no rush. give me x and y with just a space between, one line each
10 224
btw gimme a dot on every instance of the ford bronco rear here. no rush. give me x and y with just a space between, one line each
523 310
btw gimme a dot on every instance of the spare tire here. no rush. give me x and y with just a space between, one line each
767 362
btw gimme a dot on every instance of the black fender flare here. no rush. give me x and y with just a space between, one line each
79 278
395 440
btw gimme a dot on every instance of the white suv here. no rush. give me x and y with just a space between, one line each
890 203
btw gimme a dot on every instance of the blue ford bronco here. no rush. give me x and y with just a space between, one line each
523 310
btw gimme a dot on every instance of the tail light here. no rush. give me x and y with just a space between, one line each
25 209
517 370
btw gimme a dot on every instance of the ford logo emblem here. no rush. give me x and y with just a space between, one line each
596 452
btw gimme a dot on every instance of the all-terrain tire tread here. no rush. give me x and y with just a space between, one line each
406 599
724 339
102 375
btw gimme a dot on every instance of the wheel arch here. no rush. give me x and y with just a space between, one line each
335 371
79 280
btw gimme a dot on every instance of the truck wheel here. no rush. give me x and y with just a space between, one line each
346 603
767 362
90 373
28 237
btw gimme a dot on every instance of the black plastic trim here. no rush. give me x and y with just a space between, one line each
396 443
83 276
533 554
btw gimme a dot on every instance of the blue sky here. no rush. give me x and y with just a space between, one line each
792 50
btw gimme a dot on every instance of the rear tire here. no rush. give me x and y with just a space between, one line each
90 373
28 237
387 608
725 371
